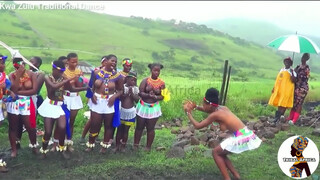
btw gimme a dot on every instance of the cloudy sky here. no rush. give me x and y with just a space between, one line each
301 16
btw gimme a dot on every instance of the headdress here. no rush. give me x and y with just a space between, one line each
127 61
300 143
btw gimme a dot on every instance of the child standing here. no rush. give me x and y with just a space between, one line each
242 140
128 110
72 98
52 110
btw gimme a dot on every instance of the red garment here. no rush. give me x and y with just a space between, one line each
32 117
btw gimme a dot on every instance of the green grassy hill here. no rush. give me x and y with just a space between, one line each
186 49
261 32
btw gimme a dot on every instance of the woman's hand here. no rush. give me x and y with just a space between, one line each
188 106
152 95
111 101
13 95
130 92
94 99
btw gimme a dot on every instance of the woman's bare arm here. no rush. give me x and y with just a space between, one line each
206 122
55 86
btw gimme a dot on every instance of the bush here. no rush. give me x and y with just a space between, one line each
145 32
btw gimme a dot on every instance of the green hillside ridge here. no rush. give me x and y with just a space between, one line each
261 32
186 49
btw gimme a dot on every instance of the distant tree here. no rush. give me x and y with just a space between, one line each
140 68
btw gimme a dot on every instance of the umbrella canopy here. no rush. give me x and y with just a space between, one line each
295 43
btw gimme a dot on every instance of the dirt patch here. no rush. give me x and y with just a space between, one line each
186 44
137 173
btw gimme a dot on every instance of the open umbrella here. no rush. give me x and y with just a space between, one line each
295 43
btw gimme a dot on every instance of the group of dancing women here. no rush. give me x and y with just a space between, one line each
113 98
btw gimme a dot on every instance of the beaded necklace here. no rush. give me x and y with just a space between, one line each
156 84
105 75
25 77
125 74
71 74
59 92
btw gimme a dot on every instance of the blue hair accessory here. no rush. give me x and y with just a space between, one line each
3 58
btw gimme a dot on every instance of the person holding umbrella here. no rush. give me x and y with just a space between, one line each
283 90
301 88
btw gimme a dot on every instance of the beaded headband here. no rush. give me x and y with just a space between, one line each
17 64
56 67
3 58
103 59
127 62
133 76
211 103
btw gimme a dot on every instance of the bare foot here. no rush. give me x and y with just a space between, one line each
54 146
35 151
103 150
14 154
147 149
3 169
70 149
236 176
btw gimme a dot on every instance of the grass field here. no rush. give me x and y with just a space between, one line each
258 164
244 99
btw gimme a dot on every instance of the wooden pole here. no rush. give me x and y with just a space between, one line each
227 87
223 81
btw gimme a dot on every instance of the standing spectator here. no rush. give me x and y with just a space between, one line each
301 88
283 90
